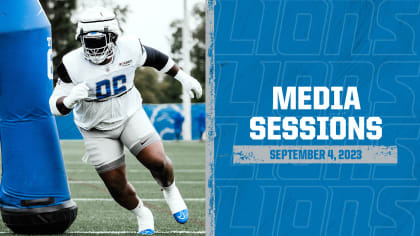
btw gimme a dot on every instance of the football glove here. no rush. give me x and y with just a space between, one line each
77 94
189 84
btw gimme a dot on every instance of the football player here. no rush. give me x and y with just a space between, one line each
96 82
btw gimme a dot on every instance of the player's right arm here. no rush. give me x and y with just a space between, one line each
66 95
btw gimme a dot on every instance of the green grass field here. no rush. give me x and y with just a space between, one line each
99 214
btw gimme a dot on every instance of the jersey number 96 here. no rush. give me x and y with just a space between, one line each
104 88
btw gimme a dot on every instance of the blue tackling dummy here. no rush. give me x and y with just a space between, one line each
34 192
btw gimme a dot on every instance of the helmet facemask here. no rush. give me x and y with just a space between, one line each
97 46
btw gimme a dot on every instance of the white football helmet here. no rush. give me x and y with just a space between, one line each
98 31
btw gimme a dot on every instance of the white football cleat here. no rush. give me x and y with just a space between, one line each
176 204
145 222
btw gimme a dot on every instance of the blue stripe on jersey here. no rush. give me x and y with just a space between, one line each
101 87
118 83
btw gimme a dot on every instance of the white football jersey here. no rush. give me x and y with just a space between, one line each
112 95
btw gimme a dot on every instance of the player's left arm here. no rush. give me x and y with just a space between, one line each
165 64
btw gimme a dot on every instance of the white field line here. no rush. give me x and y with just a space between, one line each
137 171
143 199
126 232
133 182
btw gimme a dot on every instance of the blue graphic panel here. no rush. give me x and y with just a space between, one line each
334 46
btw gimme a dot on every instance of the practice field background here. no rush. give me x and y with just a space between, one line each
99 214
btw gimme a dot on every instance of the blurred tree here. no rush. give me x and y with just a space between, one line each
199 49
197 53
120 12
170 89
146 81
